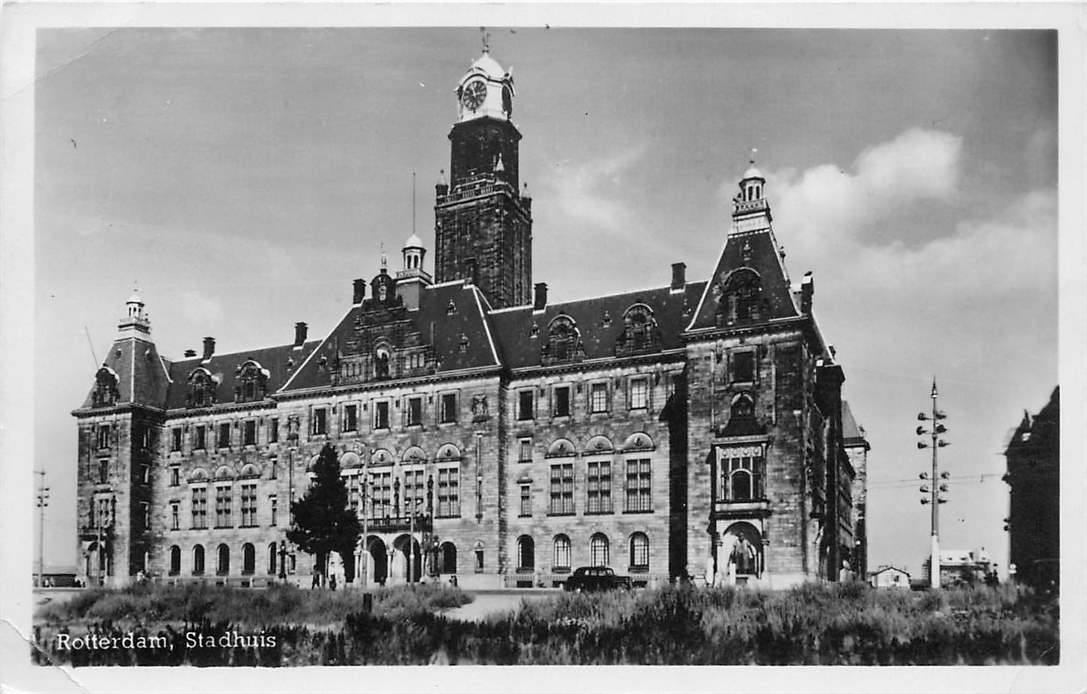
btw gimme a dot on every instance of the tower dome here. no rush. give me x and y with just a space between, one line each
488 66
413 242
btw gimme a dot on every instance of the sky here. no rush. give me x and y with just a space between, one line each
241 178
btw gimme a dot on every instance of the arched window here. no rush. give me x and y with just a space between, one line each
563 341
222 562
202 387
743 407
251 381
598 550
741 470
249 559
175 560
639 552
273 553
198 560
381 362
526 553
449 558
741 298
561 556
105 387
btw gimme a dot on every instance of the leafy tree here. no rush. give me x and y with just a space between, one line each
323 523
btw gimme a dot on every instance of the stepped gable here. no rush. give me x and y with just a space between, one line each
522 333
755 251
142 376
280 362
449 329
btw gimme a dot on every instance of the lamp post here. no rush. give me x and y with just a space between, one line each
283 560
411 539
43 501
938 480
365 564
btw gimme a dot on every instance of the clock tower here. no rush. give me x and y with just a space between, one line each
482 219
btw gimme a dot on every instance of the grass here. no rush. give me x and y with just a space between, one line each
831 624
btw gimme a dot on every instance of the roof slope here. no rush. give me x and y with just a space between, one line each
141 373
599 321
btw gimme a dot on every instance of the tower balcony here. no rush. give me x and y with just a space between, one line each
749 206
479 185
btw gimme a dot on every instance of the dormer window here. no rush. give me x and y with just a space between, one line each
640 332
741 298
106 392
381 362
252 380
563 341
202 387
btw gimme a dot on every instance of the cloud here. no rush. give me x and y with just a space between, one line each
917 165
589 192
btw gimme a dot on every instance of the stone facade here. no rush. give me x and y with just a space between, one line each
692 430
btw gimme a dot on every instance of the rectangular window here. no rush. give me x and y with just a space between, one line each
598 397
175 475
562 401
175 439
449 408
381 415
145 473
525 453
103 511
224 435
743 366
351 418
525 405
414 492
273 463
199 508
103 436
741 473
526 500
351 481
201 438
562 490
273 430
415 411
249 430
103 471
273 504
175 515
382 504
448 493
145 514
639 486
223 502
249 505
320 421
598 481
639 393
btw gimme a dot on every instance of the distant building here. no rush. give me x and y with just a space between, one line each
1033 525
855 442
889 577
962 566
687 429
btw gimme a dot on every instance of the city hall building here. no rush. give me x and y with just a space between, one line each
692 430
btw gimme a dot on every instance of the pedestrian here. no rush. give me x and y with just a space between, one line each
332 582
316 582
453 580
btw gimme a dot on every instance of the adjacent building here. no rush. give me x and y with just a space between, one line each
691 429
1033 478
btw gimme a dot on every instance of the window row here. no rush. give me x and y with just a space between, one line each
224 507
636 480
599 398
599 552
221 435
275 556
380 494
741 473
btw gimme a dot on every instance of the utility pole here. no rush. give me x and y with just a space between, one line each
43 501
938 480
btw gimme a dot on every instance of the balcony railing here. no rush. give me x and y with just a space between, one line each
392 524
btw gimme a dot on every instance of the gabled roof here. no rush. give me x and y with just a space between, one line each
442 329
599 321
280 362
142 377
756 250
853 434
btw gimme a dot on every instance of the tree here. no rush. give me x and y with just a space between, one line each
323 522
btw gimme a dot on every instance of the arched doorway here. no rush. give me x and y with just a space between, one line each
740 552
400 560
448 563
377 570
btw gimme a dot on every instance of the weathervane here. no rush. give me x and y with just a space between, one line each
485 38
754 151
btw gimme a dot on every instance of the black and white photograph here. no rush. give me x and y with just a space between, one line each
544 336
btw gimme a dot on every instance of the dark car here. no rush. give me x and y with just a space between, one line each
589 578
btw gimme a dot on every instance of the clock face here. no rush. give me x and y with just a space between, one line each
474 94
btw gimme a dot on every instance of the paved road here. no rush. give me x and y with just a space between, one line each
491 603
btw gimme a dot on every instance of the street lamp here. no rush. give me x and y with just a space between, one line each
937 479
411 540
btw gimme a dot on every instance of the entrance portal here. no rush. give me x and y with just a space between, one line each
400 560
377 562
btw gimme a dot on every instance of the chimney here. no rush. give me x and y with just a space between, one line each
300 330
807 291
190 353
679 276
539 302
209 347
359 291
